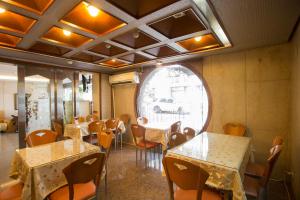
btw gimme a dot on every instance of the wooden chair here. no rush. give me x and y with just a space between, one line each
58 128
112 125
257 187
257 170
11 191
190 180
189 133
94 128
138 133
83 177
92 118
235 129
125 118
142 121
40 137
176 139
176 127
104 141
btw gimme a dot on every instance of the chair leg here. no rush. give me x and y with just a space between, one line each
141 154
136 155
145 158
116 138
121 140
106 178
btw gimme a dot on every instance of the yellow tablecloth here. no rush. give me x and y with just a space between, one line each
224 157
40 168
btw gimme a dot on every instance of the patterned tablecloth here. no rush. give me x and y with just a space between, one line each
76 131
159 134
224 157
40 168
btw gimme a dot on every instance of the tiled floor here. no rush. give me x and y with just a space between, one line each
126 181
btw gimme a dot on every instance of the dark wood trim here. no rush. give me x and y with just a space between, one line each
76 93
149 70
294 29
112 103
100 96
21 106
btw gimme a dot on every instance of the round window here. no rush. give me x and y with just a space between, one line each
173 93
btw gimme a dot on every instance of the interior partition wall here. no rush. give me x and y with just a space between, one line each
45 94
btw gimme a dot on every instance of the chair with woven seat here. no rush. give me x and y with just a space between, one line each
235 129
83 177
189 133
11 190
104 141
40 137
112 125
256 169
176 127
138 133
257 186
142 121
190 180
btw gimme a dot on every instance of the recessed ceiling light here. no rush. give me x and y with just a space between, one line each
70 62
2 10
136 34
108 46
94 12
113 60
159 63
198 38
67 33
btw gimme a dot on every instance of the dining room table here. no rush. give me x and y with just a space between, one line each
78 130
224 157
40 168
157 132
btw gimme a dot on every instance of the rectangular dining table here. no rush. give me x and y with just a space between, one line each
40 168
224 157
157 133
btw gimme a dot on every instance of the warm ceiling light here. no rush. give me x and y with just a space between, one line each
2 10
159 63
198 38
67 33
113 60
94 12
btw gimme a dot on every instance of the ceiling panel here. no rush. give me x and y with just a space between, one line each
40 47
135 39
179 24
141 8
64 37
37 6
200 43
113 63
107 49
162 51
86 57
9 40
135 58
14 22
89 18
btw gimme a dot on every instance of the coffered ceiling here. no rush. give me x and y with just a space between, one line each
112 35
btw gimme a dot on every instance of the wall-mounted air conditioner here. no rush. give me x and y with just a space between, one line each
125 78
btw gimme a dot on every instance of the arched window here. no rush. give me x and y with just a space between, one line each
173 93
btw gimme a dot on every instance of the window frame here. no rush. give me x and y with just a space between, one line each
147 71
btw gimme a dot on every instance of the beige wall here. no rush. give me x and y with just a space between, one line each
250 87
295 113
7 106
105 97
96 93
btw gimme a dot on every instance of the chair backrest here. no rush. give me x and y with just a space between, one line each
125 118
189 133
58 128
277 140
105 140
176 127
176 139
40 137
138 131
235 129
142 121
271 163
83 170
95 127
112 123
185 175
